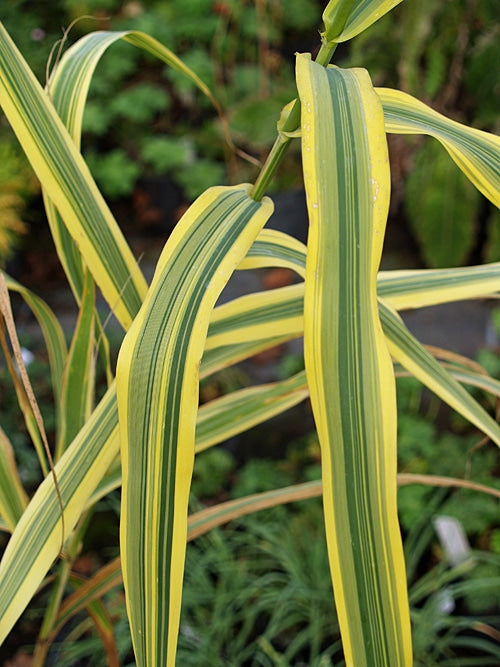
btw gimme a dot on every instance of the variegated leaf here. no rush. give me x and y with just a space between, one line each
349 370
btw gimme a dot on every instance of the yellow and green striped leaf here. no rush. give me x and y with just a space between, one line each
68 89
259 315
440 378
402 289
227 416
466 371
67 181
349 370
477 153
221 357
406 349
429 287
53 336
36 540
279 311
238 411
344 19
157 389
276 249
78 381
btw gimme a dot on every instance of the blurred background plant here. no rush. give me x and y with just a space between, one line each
17 184
154 144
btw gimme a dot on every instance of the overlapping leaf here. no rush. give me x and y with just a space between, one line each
67 181
36 540
349 371
477 153
68 89
77 394
414 357
157 382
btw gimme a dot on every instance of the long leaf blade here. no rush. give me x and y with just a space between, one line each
477 153
78 386
256 316
67 181
348 367
157 380
238 411
13 498
53 336
277 249
428 287
36 540
68 89
414 357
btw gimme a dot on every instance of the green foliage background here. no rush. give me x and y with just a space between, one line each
152 123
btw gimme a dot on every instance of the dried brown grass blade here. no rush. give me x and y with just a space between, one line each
6 311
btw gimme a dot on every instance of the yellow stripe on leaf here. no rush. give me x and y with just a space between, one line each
157 390
477 153
349 370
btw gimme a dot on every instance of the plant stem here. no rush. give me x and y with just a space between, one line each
282 142
272 162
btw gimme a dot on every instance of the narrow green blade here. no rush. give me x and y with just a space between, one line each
78 381
53 334
13 498
68 90
257 316
238 411
428 287
276 249
414 357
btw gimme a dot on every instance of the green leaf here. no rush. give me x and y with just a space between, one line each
344 19
36 540
349 371
13 498
276 249
238 411
261 315
77 394
53 334
442 207
418 288
416 359
157 387
68 183
477 153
